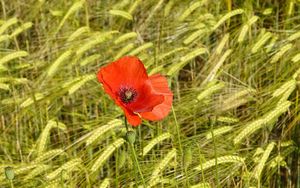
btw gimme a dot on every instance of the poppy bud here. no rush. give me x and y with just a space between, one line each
187 157
130 137
9 173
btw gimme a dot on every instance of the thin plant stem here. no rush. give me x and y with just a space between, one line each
126 125
11 184
179 140
137 163
201 162
177 131
134 156
187 177
212 122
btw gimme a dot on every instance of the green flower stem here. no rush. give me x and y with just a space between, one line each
134 156
126 125
11 184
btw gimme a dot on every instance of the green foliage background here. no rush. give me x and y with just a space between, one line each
233 67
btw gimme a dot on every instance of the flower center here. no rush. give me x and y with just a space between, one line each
127 94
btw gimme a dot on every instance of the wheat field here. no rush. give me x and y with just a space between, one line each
233 66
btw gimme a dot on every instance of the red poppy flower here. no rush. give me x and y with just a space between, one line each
127 83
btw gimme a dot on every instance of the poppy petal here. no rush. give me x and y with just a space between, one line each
132 118
106 87
159 86
146 100
127 71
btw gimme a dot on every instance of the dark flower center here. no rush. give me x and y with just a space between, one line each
127 94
